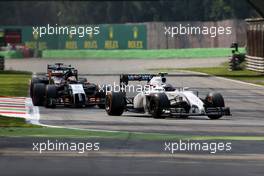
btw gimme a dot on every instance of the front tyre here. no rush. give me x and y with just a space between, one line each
214 99
157 104
115 103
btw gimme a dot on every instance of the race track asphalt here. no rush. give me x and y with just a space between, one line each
245 101
128 157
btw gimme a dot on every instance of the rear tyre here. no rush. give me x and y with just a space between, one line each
157 104
51 95
115 103
32 82
36 80
214 99
38 96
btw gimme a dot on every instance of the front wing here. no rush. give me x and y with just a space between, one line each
223 111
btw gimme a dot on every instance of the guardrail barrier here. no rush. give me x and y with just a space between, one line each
255 45
255 63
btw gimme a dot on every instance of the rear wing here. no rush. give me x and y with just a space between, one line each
125 78
59 66
59 69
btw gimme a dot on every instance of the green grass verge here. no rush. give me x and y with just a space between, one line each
14 83
222 71
11 54
140 54
74 133
14 122
17 127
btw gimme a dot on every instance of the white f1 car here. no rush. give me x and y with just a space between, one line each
159 98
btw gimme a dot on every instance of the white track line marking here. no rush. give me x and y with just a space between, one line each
223 78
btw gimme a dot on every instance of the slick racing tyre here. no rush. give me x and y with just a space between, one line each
32 82
115 103
157 104
38 97
214 99
51 95
36 80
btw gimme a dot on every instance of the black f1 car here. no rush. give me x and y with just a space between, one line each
158 98
62 86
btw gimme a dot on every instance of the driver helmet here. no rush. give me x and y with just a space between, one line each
72 79
57 80
169 87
